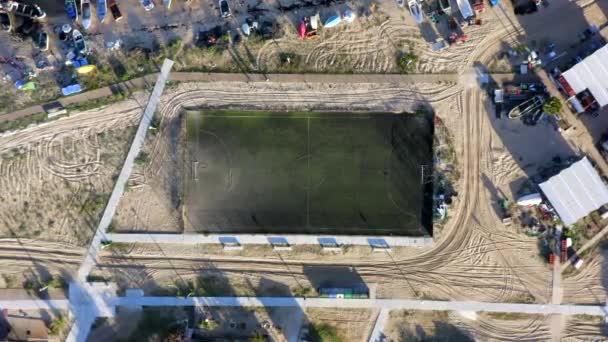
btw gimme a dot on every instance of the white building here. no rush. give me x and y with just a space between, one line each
576 191
590 74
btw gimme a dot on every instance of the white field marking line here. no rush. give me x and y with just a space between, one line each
308 174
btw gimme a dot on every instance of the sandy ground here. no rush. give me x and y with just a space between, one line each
475 256
56 178
453 326
583 328
481 259
351 324
588 285
232 323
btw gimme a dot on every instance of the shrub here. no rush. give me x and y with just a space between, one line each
325 333
552 106
58 325
407 62
142 158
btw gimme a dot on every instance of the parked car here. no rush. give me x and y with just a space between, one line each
148 4
224 8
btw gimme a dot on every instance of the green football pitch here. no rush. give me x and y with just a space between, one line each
307 173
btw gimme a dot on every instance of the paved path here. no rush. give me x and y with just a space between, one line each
88 302
263 239
390 304
35 304
556 322
378 332
125 173
385 304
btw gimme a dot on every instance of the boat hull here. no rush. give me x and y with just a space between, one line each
85 11
70 7
102 10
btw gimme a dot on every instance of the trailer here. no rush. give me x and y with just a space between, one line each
527 107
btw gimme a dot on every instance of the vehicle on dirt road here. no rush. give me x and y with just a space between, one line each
224 8
114 10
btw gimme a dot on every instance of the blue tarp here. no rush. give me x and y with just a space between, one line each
71 89
80 62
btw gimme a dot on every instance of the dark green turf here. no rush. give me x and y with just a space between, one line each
289 173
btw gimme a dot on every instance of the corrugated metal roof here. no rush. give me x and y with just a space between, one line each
576 191
592 74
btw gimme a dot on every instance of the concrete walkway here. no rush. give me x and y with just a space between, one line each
125 173
265 239
87 301
378 332
390 304
35 304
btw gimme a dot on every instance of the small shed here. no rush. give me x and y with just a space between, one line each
576 191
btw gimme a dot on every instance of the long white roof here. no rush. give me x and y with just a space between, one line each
576 191
591 73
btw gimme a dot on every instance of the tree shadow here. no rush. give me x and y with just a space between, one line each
442 331
335 281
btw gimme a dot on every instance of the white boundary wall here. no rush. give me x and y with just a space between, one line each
265 239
